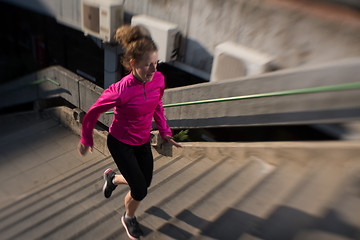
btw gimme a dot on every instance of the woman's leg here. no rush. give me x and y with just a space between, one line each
146 163
131 205
119 179
136 166
131 162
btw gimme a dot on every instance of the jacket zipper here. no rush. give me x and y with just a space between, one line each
144 91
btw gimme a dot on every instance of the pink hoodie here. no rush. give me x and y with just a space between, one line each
135 104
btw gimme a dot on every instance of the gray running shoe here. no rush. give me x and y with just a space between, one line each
132 227
109 187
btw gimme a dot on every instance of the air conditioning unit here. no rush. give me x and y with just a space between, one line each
101 18
232 60
164 34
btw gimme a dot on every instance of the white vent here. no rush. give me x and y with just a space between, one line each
233 60
101 18
163 33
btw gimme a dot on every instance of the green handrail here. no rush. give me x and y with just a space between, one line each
329 88
44 80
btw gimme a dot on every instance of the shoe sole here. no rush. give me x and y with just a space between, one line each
105 184
127 231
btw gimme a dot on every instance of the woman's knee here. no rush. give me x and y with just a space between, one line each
139 194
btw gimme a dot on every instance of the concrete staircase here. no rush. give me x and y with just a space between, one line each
294 190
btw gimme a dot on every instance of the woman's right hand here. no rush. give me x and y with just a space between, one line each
170 140
83 149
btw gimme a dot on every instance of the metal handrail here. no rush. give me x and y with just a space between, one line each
44 80
329 88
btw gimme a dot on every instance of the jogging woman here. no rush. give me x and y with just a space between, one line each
136 99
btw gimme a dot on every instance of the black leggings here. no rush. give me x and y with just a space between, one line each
135 163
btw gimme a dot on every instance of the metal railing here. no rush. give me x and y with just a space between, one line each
329 88
36 82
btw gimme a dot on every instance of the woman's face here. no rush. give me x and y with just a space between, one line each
145 68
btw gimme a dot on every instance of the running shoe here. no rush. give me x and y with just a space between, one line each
132 227
109 187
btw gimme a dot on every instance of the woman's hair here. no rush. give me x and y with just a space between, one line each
136 41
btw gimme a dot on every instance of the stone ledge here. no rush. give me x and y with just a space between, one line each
72 118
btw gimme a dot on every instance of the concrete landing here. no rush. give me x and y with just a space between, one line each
35 151
283 190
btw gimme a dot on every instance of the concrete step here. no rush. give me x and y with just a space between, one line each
30 153
37 164
99 209
55 201
310 206
15 121
26 151
250 209
204 191
166 182
54 188
233 178
27 131
61 215
43 205
44 198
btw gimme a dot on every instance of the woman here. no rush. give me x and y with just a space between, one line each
136 99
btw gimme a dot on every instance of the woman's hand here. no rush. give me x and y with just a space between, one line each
83 149
171 141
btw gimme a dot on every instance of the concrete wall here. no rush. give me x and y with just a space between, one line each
23 90
323 107
294 32
76 90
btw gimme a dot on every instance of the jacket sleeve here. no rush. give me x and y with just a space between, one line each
108 99
159 116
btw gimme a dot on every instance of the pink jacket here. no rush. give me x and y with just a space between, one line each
135 104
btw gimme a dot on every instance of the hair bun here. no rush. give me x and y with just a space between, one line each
127 34
136 41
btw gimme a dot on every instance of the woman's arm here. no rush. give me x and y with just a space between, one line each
160 120
108 99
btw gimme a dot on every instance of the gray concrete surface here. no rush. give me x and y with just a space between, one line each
35 150
24 89
337 106
273 190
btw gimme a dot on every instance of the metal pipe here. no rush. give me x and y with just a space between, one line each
44 80
330 88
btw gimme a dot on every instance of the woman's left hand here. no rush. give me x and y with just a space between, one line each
171 141
83 149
